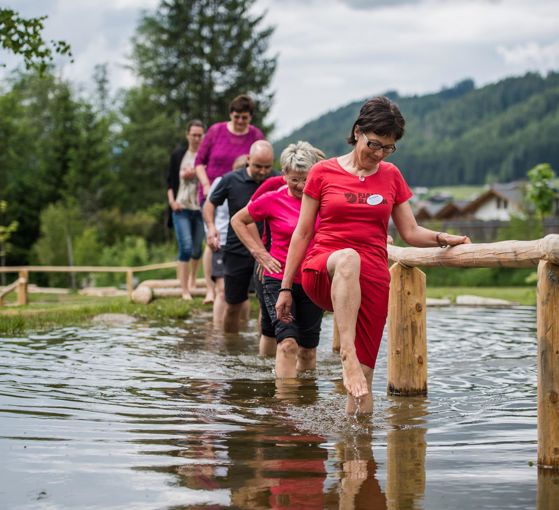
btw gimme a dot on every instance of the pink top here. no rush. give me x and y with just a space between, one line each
220 148
281 212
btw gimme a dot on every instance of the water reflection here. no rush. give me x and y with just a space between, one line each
406 450
181 417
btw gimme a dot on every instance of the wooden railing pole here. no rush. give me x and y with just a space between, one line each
130 282
548 365
407 338
22 288
548 489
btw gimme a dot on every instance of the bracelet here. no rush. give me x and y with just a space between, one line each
286 289
438 237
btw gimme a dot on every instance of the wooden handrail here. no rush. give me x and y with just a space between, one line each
502 254
6 290
86 269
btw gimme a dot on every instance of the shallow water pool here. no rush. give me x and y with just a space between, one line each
185 418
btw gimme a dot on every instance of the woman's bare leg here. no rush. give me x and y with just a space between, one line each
344 266
207 264
306 359
286 359
219 303
182 275
193 271
365 403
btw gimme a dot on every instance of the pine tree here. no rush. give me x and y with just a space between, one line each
200 54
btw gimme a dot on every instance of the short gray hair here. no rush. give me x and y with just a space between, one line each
299 157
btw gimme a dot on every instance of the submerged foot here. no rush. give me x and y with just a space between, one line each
354 379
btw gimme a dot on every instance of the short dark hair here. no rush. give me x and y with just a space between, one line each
380 116
242 104
195 123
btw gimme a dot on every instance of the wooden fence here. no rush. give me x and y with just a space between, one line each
20 285
407 339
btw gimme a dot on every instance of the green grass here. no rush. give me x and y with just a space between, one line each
459 192
47 311
520 295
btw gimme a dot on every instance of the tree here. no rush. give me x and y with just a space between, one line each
6 232
540 191
42 122
23 36
199 54
60 226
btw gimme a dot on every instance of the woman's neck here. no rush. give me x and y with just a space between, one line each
352 165
231 129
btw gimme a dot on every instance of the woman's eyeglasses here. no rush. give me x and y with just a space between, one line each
376 146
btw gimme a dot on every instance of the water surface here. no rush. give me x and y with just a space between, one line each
182 417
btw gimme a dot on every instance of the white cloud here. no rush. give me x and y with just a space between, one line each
335 51
532 55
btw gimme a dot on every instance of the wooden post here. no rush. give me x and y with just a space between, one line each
405 468
406 452
335 337
548 489
22 288
407 338
548 365
130 283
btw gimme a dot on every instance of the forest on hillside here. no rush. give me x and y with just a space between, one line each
463 134
82 172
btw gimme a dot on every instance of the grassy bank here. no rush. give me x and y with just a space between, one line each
47 311
519 295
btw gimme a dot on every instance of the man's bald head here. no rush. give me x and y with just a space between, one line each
260 160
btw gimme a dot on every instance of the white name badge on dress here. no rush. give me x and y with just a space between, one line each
375 199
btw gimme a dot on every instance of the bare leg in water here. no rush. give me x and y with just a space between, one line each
344 267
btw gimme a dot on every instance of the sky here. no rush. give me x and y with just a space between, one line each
332 52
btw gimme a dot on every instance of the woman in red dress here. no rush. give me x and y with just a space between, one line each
346 270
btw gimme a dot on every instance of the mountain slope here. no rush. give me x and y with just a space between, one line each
461 135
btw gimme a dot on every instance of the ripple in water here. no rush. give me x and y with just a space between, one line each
183 417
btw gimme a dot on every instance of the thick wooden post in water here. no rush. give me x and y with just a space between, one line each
548 365
21 289
407 338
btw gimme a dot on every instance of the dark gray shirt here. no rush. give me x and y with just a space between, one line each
237 188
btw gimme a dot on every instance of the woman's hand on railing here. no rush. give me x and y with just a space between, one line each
445 240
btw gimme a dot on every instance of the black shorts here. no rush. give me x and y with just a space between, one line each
307 317
238 271
217 265
266 325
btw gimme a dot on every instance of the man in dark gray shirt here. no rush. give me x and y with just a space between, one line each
237 188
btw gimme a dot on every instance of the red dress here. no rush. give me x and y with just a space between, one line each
354 213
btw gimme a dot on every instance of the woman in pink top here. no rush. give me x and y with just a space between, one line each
223 144
297 340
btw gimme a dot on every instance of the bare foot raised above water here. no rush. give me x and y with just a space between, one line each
354 379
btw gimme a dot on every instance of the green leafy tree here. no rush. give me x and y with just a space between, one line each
42 127
23 36
144 146
6 231
540 192
89 179
60 226
199 54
